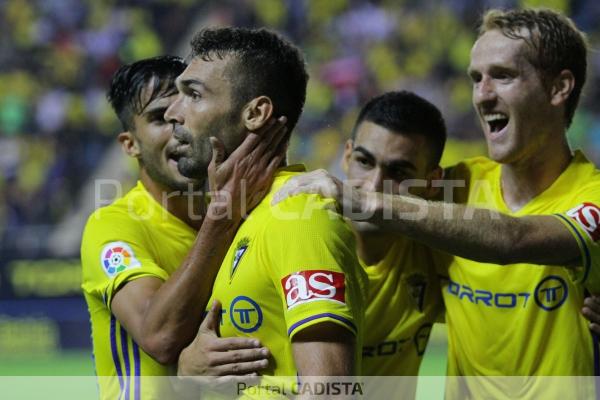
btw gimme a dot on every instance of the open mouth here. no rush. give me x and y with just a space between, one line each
496 123
175 153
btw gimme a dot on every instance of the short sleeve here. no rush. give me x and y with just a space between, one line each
114 251
313 262
583 222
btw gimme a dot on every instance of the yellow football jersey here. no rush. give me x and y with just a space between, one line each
525 319
404 301
291 266
132 238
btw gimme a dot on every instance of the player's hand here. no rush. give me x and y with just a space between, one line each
218 364
239 182
591 311
356 204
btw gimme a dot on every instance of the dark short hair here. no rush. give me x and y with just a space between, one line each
406 113
127 85
266 65
554 40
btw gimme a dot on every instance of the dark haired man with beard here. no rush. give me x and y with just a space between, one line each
292 278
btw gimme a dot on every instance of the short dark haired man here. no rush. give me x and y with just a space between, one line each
292 278
528 69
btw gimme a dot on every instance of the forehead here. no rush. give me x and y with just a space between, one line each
215 69
386 144
164 95
494 48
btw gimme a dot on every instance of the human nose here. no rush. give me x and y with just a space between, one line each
484 91
174 113
374 183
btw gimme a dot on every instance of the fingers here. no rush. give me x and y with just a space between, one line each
258 356
218 151
212 319
235 343
263 137
286 190
242 368
264 141
591 311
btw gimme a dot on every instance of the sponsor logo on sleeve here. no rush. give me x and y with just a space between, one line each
117 257
313 285
587 215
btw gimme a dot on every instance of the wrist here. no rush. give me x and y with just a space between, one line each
221 219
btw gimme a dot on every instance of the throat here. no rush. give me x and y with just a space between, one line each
522 182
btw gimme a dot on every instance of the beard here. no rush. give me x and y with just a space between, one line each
196 151
152 164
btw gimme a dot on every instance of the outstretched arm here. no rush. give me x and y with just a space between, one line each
475 233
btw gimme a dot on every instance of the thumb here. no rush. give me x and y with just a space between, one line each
218 151
212 319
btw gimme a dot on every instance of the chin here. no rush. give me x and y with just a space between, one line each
190 169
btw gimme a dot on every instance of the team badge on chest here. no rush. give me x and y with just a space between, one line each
240 250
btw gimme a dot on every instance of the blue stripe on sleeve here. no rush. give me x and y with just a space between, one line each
587 262
324 315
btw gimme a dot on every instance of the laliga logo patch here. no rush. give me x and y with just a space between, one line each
587 216
116 257
314 285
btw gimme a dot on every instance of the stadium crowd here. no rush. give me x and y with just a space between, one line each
57 58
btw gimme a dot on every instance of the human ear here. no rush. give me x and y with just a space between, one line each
129 144
347 154
562 86
257 112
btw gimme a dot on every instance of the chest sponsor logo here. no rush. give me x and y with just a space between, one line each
245 314
240 250
313 285
587 215
549 294
397 347
117 257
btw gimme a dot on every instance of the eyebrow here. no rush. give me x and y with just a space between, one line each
364 152
394 163
155 110
190 81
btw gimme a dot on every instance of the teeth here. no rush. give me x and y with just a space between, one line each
494 117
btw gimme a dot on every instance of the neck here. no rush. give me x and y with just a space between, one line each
188 207
524 180
372 247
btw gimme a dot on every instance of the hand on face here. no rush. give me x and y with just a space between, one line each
241 181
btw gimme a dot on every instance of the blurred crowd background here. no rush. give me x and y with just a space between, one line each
57 130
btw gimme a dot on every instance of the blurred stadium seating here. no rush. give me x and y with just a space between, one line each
57 132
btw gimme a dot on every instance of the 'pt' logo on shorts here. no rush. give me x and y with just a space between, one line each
314 285
587 216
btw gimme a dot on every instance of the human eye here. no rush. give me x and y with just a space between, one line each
363 161
195 95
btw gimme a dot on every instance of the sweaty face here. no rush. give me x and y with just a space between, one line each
509 97
152 134
204 108
380 160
